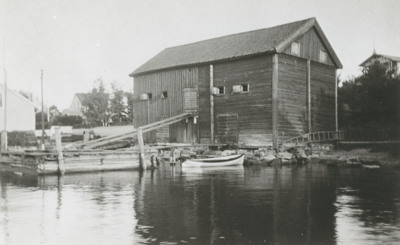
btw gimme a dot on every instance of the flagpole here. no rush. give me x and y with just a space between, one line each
4 140
42 140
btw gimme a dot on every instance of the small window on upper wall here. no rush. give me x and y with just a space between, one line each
218 90
239 89
295 49
245 88
323 56
164 95
147 96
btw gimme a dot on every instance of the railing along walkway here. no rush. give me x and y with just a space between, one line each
146 128
319 136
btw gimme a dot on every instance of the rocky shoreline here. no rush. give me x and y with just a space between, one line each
326 154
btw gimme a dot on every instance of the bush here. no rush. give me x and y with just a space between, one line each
21 138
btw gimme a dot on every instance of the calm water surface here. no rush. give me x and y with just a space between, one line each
311 204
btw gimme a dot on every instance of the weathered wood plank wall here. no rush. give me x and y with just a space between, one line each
204 102
310 45
158 108
253 108
322 97
292 94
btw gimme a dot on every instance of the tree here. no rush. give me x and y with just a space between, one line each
129 107
97 112
370 100
118 105
67 120
53 113
38 119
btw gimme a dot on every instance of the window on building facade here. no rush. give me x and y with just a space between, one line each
146 96
164 95
323 56
243 88
218 90
295 49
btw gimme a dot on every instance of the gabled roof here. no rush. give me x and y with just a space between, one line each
83 97
23 98
268 40
375 55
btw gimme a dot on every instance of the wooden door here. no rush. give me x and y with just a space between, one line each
190 105
190 101
227 128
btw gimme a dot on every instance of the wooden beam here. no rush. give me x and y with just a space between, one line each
275 81
145 129
142 164
152 126
336 101
211 104
309 96
3 140
60 155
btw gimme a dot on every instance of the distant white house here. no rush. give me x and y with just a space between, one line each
392 63
20 111
78 105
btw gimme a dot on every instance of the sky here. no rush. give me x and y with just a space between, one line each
76 42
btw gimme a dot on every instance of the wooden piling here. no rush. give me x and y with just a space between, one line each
86 136
3 140
141 149
60 156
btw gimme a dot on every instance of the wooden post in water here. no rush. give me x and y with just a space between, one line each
142 164
3 140
60 156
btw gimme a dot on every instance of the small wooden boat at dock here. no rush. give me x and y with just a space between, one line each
232 160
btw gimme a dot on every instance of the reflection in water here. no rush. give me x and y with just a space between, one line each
368 209
242 205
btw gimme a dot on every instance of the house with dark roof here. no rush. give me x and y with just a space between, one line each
78 105
392 63
253 88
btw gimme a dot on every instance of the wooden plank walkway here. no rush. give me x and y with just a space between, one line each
146 128
320 136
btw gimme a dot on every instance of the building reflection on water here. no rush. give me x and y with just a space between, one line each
276 205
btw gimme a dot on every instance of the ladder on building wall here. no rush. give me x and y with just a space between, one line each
146 128
320 136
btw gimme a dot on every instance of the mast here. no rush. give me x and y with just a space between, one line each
42 140
4 140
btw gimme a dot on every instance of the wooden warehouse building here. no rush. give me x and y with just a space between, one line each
252 88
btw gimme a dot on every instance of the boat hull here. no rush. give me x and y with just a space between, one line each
233 160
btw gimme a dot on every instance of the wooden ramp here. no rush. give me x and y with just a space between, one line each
321 136
146 128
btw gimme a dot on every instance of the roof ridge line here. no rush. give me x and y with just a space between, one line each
240 33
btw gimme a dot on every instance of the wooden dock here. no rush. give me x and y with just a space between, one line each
83 157
48 162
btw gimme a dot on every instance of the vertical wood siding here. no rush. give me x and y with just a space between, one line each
322 97
310 45
158 108
253 108
292 94
204 102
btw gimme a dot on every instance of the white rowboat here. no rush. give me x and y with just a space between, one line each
232 160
